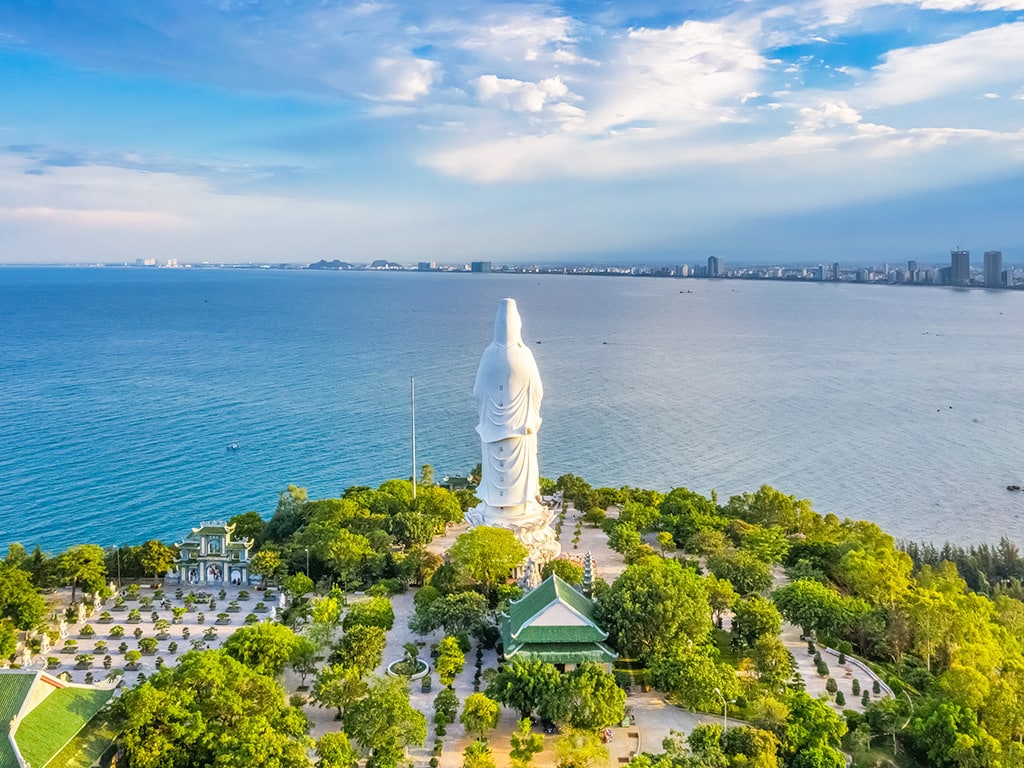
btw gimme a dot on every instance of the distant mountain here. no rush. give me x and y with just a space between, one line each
322 264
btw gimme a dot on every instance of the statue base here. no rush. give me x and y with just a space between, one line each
531 524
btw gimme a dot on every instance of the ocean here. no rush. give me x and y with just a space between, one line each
121 390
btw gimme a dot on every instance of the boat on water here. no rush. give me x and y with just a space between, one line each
233 447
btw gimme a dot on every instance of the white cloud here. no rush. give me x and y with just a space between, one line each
406 79
520 96
101 217
969 63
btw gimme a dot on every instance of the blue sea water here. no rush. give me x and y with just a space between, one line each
120 390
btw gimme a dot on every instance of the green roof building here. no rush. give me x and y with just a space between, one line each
210 556
554 622
45 719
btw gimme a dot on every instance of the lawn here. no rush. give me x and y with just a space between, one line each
726 653
56 720
89 745
13 689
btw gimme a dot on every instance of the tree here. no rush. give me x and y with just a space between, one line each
446 707
758 748
526 686
289 515
375 612
298 586
210 709
812 606
692 676
666 541
525 744
566 570
773 662
383 723
338 687
248 525
487 556
746 572
8 639
264 647
705 742
157 558
361 648
333 750
580 749
591 698
83 564
753 618
721 595
303 658
450 660
266 563
654 605
479 715
814 728
478 755
427 475
459 612
19 600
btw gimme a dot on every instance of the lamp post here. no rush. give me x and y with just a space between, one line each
307 562
725 710
117 553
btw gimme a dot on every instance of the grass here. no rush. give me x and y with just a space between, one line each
52 724
13 689
726 653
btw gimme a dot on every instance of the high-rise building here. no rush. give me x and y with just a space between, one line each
819 272
994 269
959 267
835 271
480 266
715 266
426 266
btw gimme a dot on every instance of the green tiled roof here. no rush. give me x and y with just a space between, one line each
14 687
552 594
56 720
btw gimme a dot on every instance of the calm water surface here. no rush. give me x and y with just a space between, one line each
121 388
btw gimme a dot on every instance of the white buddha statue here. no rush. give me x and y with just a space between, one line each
508 394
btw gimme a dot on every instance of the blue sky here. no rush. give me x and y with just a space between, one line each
645 131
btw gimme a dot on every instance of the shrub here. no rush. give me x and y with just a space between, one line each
100 646
822 668
89 678
122 648
876 687
855 687
70 645
134 616
52 662
831 686
186 632
866 698
840 698
172 648
106 618
83 660
252 618
107 661
842 657
87 631
243 595
159 662
137 632
132 658
148 645
817 657
433 762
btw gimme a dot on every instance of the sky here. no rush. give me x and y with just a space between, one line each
585 131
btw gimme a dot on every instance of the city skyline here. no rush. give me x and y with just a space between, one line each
532 132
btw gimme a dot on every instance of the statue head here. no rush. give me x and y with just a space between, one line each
508 326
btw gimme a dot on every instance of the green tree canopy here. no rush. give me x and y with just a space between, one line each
479 715
653 606
361 648
210 709
526 686
157 558
375 612
812 606
487 556
83 566
754 617
19 600
591 699
747 573
566 570
338 687
384 723
450 660
458 612
249 525
692 674
525 744
333 750
264 647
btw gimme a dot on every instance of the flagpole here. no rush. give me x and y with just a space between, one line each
412 387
